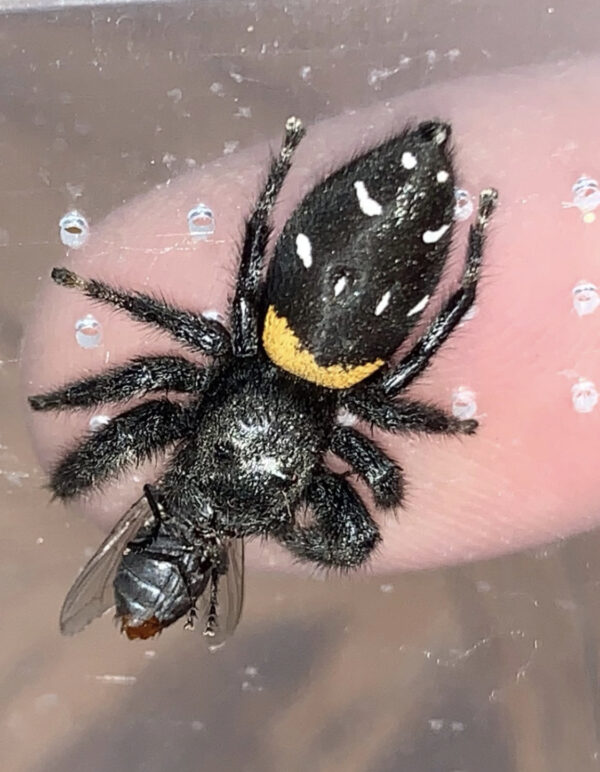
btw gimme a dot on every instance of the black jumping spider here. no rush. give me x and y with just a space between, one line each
353 269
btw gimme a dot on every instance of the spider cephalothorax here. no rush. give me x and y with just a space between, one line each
353 270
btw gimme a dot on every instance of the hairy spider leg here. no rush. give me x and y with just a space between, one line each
343 534
143 375
129 439
403 415
393 381
370 463
193 330
244 312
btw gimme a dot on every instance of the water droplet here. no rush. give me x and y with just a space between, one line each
74 230
88 332
464 405
201 222
585 298
463 204
584 396
586 197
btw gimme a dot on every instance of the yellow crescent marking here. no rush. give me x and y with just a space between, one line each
285 349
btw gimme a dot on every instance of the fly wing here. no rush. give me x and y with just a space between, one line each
224 598
92 592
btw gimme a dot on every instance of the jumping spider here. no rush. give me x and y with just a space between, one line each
353 269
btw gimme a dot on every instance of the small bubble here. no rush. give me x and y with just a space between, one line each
463 204
464 405
74 229
585 298
98 422
88 332
436 724
387 588
201 222
176 94
586 197
584 396
230 146
306 72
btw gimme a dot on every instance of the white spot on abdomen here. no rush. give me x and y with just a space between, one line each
304 249
339 286
430 237
419 306
408 160
368 205
383 303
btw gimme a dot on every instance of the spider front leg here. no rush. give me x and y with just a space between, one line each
193 330
378 471
129 439
393 381
140 376
343 534
244 313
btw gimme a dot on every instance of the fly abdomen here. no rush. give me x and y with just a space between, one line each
157 585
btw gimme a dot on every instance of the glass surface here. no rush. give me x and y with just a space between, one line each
486 666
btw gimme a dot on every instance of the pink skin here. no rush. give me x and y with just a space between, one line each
528 475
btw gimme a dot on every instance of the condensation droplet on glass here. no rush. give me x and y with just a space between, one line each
98 422
176 94
586 197
201 222
585 298
584 395
463 204
305 72
88 332
464 404
74 229
230 146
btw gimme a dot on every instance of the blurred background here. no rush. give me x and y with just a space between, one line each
491 666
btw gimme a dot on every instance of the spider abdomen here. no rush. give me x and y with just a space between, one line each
358 261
